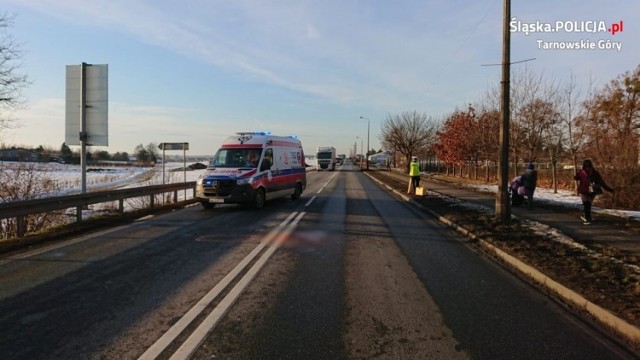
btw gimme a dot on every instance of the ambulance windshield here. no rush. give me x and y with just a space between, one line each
236 158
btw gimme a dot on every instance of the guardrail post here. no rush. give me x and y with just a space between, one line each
121 206
175 197
20 224
152 200
78 213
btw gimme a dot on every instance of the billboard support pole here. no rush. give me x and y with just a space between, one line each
86 110
83 125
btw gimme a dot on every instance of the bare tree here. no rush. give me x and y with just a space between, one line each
146 155
489 127
614 124
538 118
25 181
410 133
527 88
612 132
12 81
571 110
488 130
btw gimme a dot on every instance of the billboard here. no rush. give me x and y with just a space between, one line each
96 104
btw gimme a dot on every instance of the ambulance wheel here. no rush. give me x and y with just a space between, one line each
296 192
258 199
207 205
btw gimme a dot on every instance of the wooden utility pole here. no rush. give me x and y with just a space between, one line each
503 211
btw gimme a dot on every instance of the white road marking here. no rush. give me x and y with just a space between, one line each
279 234
327 183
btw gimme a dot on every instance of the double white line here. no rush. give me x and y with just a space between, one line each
275 237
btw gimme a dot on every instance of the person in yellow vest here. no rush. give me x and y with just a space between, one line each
414 175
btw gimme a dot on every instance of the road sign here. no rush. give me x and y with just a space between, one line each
87 102
174 146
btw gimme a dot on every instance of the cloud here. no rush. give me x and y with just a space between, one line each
372 54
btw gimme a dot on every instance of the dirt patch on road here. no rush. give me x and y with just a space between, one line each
389 314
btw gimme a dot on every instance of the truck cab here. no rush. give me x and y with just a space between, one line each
326 157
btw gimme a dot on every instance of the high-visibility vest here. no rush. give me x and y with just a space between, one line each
414 169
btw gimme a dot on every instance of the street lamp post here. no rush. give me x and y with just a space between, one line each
361 151
356 147
368 127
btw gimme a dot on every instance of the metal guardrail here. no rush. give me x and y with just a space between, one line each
20 209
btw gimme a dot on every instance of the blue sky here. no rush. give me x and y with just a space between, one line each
199 70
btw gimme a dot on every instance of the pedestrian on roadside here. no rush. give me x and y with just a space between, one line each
414 175
529 181
590 184
514 186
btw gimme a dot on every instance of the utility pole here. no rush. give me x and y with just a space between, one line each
503 212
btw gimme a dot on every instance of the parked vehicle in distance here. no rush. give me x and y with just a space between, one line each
380 159
326 157
251 168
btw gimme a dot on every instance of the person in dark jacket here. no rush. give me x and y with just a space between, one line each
590 183
529 181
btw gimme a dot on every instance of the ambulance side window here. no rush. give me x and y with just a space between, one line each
267 161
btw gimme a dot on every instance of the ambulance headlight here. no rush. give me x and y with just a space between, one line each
244 181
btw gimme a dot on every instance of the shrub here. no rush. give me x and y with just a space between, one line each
25 181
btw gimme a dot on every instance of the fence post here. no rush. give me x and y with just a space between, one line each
20 224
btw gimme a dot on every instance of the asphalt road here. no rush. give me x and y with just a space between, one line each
349 272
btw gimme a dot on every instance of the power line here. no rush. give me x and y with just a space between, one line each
511 63
471 33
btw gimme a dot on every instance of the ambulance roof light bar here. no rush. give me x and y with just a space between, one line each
253 133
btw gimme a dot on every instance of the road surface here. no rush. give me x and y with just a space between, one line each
346 272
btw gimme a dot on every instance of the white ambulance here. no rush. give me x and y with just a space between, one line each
251 168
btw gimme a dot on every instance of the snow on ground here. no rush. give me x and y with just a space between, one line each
564 198
68 178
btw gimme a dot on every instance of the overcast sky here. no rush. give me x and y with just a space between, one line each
199 70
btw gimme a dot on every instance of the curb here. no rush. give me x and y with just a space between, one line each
629 331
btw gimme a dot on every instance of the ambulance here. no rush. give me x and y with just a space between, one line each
251 168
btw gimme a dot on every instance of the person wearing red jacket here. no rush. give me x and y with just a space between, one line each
590 184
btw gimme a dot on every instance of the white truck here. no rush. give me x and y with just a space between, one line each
326 157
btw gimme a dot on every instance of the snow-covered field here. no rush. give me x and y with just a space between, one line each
68 178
